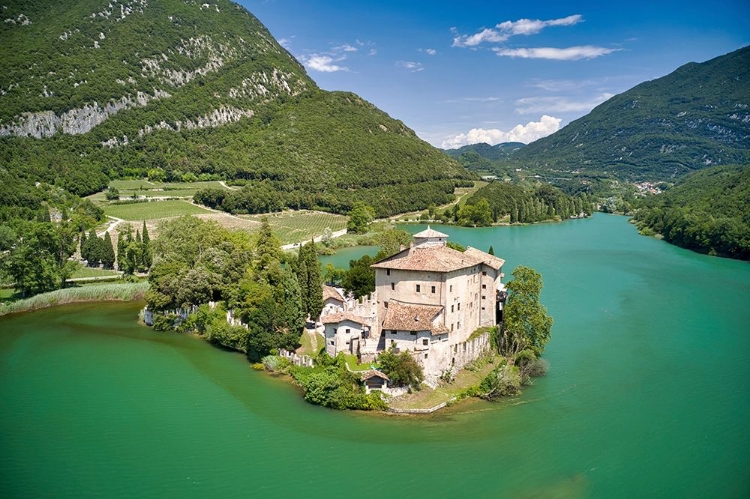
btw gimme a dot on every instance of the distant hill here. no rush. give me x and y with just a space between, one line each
97 89
484 158
707 211
695 117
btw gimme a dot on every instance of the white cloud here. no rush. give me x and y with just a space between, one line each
411 66
566 54
345 48
428 51
285 42
507 29
372 52
536 105
324 63
474 99
520 133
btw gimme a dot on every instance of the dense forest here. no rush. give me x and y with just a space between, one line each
528 204
708 211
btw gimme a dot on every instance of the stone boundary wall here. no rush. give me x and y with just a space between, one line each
418 411
297 360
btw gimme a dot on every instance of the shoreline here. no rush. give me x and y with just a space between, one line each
104 292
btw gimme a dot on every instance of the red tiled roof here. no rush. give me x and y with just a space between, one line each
437 259
332 293
402 316
343 316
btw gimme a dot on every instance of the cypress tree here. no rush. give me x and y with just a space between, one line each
148 257
120 251
108 252
491 251
83 242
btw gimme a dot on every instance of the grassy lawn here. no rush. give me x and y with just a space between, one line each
156 189
312 343
298 226
426 398
8 295
83 271
351 361
153 210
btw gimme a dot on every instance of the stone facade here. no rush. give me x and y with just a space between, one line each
429 299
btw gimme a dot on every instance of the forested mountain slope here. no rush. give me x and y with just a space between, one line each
697 116
97 89
707 211
484 158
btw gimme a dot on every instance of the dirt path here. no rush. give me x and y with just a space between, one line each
317 239
231 188
112 224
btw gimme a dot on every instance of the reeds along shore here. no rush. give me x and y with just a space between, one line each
103 292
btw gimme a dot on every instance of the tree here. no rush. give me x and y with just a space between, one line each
147 254
401 368
310 282
491 251
525 320
360 217
112 194
107 252
360 278
268 246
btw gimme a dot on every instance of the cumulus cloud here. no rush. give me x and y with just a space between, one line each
428 51
536 105
324 63
564 54
506 29
411 66
285 42
346 48
520 133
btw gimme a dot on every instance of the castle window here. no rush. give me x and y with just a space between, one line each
425 341
484 273
459 305
413 333
331 342
387 271
425 356
483 297
458 325
452 308
348 331
451 326
418 288
451 288
433 289
393 286
484 286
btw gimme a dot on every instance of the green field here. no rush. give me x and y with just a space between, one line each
297 226
152 210
144 188
83 271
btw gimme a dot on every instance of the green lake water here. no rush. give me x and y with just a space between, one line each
648 395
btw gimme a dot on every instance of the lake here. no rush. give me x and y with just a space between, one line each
648 395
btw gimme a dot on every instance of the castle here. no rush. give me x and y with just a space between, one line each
429 299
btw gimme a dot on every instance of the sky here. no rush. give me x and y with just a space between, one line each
465 72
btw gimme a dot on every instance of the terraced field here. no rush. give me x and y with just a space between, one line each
144 188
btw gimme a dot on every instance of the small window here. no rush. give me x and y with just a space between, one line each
451 326
484 286
433 289
413 333
483 297
393 332
387 271
425 356
484 273
418 288
331 342
459 306
482 308
451 288
348 331
393 286
425 342
452 308
458 326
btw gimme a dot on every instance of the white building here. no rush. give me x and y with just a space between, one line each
429 299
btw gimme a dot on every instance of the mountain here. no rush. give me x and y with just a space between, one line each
697 116
97 89
484 158
707 211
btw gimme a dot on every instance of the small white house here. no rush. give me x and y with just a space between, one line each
345 332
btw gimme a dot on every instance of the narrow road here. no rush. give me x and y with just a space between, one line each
112 224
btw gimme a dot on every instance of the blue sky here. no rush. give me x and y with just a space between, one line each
495 71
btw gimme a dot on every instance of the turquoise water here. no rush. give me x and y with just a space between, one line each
647 396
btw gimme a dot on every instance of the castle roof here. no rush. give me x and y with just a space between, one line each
401 316
428 232
333 293
343 316
490 260
437 259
